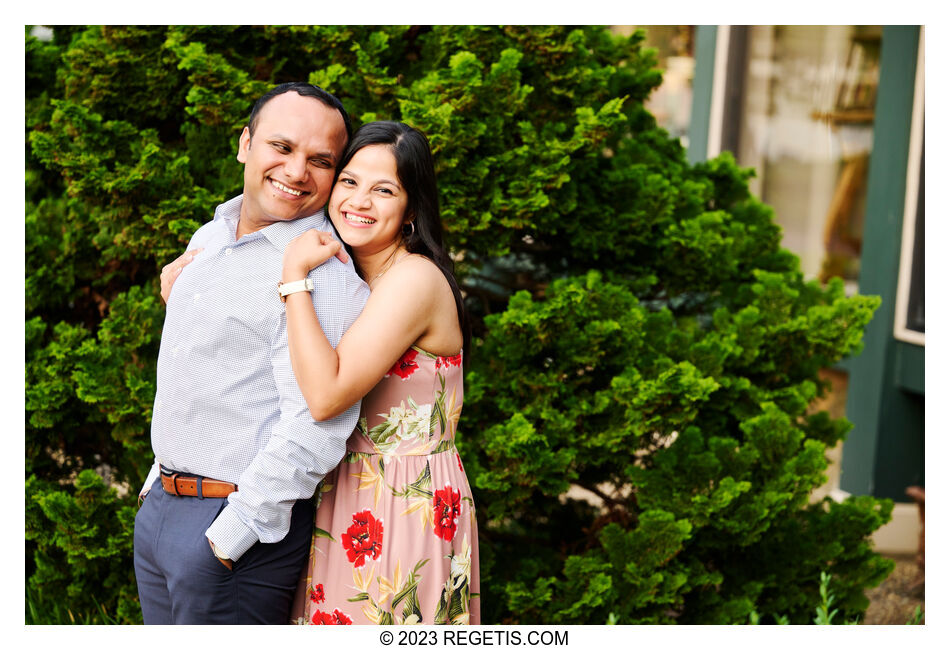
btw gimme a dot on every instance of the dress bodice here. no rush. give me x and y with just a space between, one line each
414 409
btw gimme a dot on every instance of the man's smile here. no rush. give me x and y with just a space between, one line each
283 188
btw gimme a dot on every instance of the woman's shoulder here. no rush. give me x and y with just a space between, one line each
418 270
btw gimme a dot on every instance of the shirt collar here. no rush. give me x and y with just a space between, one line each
279 233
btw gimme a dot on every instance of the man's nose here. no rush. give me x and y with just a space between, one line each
296 168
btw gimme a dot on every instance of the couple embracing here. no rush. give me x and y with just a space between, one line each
308 393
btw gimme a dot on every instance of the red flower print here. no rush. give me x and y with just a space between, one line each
447 505
316 593
364 538
455 360
459 459
336 618
405 366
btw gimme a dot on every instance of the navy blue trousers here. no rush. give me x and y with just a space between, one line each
180 581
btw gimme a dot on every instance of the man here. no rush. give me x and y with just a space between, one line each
222 535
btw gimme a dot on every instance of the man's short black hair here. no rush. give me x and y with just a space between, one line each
306 90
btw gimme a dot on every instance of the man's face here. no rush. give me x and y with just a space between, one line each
289 165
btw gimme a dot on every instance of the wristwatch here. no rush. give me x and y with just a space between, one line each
287 288
218 554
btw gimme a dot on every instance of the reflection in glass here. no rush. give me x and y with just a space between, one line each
805 124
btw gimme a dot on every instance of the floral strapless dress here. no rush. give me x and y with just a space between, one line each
395 539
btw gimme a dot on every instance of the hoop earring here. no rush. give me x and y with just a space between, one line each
412 229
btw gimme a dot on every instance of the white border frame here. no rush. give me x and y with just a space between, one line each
901 331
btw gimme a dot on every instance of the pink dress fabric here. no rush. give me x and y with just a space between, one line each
395 539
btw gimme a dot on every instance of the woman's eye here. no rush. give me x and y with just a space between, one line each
385 190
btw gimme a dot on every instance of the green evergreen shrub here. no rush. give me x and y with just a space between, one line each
641 336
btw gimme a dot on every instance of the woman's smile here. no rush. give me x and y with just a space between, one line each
357 220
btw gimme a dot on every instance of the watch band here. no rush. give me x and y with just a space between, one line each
287 288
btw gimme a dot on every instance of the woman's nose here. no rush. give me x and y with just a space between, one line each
360 199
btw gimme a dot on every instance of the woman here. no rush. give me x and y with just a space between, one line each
395 538
395 535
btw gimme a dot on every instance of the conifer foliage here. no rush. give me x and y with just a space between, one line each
641 338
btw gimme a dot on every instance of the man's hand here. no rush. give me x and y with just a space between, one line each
228 563
170 272
308 251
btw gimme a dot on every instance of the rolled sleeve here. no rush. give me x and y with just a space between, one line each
300 451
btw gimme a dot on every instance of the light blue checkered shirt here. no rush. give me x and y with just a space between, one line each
227 405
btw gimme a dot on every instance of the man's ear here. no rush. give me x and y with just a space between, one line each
244 143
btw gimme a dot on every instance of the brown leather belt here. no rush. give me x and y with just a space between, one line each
186 485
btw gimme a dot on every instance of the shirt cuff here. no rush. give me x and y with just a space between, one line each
150 479
231 536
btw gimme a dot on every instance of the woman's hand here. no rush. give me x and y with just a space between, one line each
308 251
170 272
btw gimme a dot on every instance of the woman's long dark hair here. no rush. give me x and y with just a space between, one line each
416 171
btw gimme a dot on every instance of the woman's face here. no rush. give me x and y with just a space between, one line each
368 203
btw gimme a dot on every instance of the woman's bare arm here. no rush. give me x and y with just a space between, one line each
401 309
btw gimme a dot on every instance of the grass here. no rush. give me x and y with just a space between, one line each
39 612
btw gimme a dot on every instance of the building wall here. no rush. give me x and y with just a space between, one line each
791 127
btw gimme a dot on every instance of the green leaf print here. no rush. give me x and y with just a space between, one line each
454 600
445 445
409 588
452 603
438 418
439 410
358 597
412 605
319 532
380 435
442 611
421 487
410 593
458 602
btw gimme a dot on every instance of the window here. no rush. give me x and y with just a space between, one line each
803 117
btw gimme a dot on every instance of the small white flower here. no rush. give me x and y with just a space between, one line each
407 422
461 564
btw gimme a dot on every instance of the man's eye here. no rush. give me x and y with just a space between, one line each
319 162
